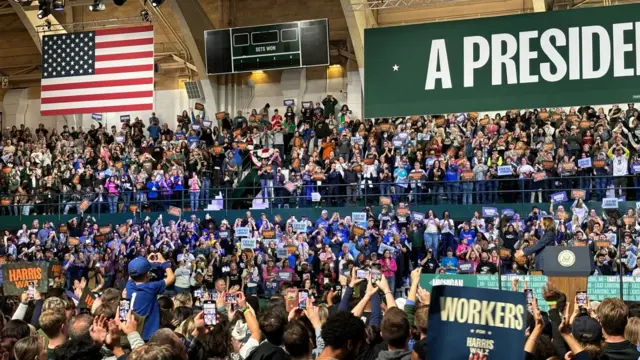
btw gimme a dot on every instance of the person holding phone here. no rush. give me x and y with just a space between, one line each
147 292
388 267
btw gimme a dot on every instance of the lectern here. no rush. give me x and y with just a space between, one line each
567 268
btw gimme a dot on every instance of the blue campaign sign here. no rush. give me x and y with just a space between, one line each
560 196
96 117
473 323
489 211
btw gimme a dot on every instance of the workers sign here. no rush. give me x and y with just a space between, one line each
559 58
17 276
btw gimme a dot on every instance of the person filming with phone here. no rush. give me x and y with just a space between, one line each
147 292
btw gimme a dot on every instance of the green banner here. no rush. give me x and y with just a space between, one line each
557 58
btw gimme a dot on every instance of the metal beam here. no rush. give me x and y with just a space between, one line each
539 5
194 22
29 18
357 21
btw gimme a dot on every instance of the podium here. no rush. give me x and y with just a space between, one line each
567 268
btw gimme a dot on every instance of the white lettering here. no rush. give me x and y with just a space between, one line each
574 53
470 64
498 58
588 72
553 55
438 56
526 55
619 48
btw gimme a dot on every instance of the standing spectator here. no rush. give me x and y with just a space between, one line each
146 303
194 191
329 104
620 167
388 267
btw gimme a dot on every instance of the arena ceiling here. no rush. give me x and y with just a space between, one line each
179 25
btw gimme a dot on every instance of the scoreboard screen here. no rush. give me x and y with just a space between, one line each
267 47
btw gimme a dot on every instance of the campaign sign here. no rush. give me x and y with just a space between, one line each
635 167
125 118
359 218
242 232
55 269
224 234
284 275
417 216
87 299
489 211
300 226
560 196
610 203
96 117
473 323
504 170
17 277
584 163
384 247
248 243
282 253
508 212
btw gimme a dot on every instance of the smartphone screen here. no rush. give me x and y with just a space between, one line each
231 299
339 290
529 294
31 290
362 274
581 298
209 309
303 295
376 275
125 305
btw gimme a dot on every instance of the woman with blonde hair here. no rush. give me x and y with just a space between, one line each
548 239
632 331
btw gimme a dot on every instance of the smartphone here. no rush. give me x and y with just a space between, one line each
376 276
339 290
581 298
303 295
529 294
362 274
209 308
31 290
197 293
231 299
125 306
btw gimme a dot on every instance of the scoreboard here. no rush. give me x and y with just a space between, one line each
267 47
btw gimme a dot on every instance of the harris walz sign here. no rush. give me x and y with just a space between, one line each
17 276
558 58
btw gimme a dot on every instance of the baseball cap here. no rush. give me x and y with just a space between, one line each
587 329
139 266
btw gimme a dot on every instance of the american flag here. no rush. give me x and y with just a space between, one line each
108 70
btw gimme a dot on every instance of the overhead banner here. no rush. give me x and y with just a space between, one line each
472 323
558 58
17 276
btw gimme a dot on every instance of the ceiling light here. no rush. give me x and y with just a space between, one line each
44 9
156 3
58 5
98 5
119 2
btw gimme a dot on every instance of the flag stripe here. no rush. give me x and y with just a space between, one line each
97 91
126 56
123 69
97 97
96 84
103 109
124 43
120 37
90 104
124 50
124 30
120 63
104 77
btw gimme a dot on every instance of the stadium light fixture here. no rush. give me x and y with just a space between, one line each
44 9
119 2
98 5
157 3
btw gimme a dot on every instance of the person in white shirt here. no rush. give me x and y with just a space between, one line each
620 166
525 172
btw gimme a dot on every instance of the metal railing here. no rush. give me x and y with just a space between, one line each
321 194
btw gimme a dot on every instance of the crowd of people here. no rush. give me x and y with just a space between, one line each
457 159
